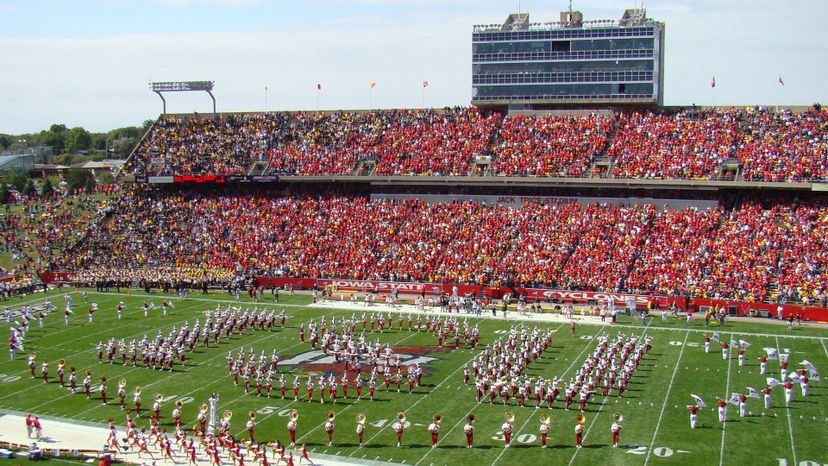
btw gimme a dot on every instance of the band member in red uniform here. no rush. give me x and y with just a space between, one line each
399 427
360 427
434 429
579 432
694 415
291 427
506 428
544 429
468 429
329 427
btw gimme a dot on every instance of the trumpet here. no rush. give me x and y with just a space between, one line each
331 416
360 418
510 417
471 418
179 404
294 415
401 417
137 390
545 419
618 417
580 419
158 397
252 415
203 408
228 415
437 419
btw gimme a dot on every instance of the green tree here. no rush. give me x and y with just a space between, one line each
77 139
17 180
5 141
78 178
58 128
46 188
4 194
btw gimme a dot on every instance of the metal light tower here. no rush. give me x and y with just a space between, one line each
182 86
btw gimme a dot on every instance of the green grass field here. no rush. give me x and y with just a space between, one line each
656 421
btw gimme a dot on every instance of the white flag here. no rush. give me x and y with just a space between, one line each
784 357
744 344
734 399
733 343
794 376
699 402
814 376
772 382
752 393
771 353
716 338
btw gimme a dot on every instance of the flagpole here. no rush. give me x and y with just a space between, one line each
370 97
424 97
265 99
317 98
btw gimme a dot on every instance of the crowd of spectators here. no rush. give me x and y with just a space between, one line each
549 145
785 146
216 236
689 144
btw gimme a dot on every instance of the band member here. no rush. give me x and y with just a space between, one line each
766 394
468 429
803 384
694 415
742 405
434 430
706 343
44 371
763 364
507 433
360 430
788 392
725 350
579 434
616 433
251 427
291 427
329 429
103 390
399 428
544 431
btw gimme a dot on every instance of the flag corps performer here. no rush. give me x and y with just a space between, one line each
694 409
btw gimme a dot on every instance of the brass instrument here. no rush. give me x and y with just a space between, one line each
122 382
471 418
103 379
61 363
294 415
401 417
580 419
618 417
252 415
228 415
545 419
179 404
203 408
137 390
158 397
331 416
510 417
360 418
437 419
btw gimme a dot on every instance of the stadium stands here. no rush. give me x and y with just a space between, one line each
744 253
691 144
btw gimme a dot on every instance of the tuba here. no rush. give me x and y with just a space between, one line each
158 397
61 363
580 419
510 417
471 418
401 417
294 415
137 391
437 419
228 415
203 408
179 404
360 418
618 417
122 382
331 416
545 419
103 379
252 415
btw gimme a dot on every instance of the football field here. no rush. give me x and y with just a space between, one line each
656 428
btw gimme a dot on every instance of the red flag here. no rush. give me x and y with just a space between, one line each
425 83
713 83
780 80
318 87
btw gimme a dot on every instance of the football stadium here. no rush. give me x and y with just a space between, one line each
563 271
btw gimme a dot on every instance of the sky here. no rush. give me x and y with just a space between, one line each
88 62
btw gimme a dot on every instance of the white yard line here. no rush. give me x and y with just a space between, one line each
788 412
666 397
601 408
726 397
463 418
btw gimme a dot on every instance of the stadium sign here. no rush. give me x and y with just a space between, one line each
581 296
381 286
318 361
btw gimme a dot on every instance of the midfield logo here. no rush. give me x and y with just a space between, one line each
317 361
